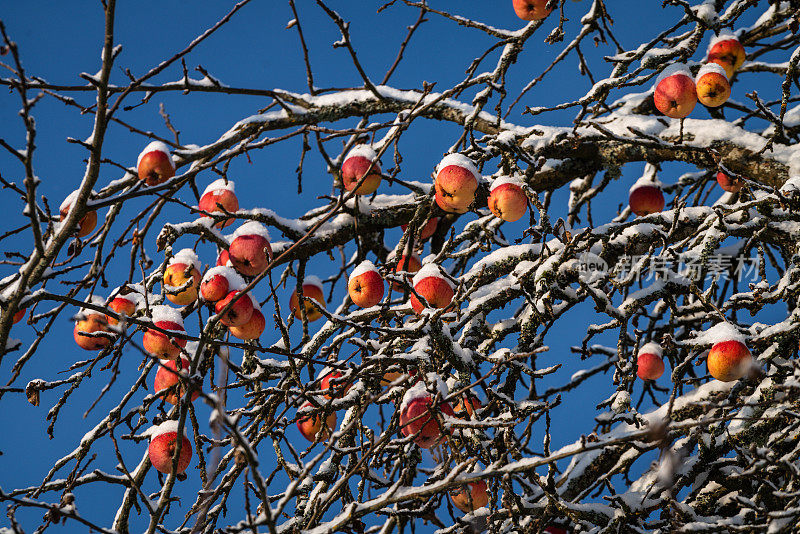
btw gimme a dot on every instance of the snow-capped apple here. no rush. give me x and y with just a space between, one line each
365 285
311 426
728 183
675 94
713 88
167 376
408 263
427 230
239 313
219 197
418 416
158 343
218 282
649 362
86 224
154 164
470 496
90 322
645 196
253 328
121 305
726 51
312 289
507 200
356 165
729 360
433 286
466 407
163 445
250 251
333 384
456 183
531 9
182 270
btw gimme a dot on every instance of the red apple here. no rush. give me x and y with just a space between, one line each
507 200
531 9
312 289
729 184
252 329
18 316
122 306
427 230
470 496
407 264
239 313
418 417
675 95
86 224
250 251
167 376
356 165
729 360
727 52
713 88
431 285
88 323
155 165
456 183
219 196
163 443
649 362
160 344
365 285
646 198
223 259
310 426
333 386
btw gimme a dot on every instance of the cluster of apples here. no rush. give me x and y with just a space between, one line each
677 92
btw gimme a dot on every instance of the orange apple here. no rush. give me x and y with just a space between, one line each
219 197
649 362
646 197
223 259
167 377
239 313
729 184
466 407
365 285
90 322
312 289
418 417
470 496
252 329
456 183
154 164
160 344
407 264
727 52
86 224
675 95
183 269
390 376
311 427
729 360
507 200
122 306
163 443
531 9
356 166
250 251
430 284
713 88
427 230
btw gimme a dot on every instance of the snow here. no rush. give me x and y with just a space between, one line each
312 280
651 348
506 180
235 281
219 185
430 270
718 333
363 267
165 427
711 67
645 181
155 146
93 299
419 390
724 35
250 228
672 70
458 160
363 150
166 313
134 296
186 256
70 200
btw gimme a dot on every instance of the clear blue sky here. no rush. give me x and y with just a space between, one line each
59 40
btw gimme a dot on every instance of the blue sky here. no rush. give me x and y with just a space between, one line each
59 40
